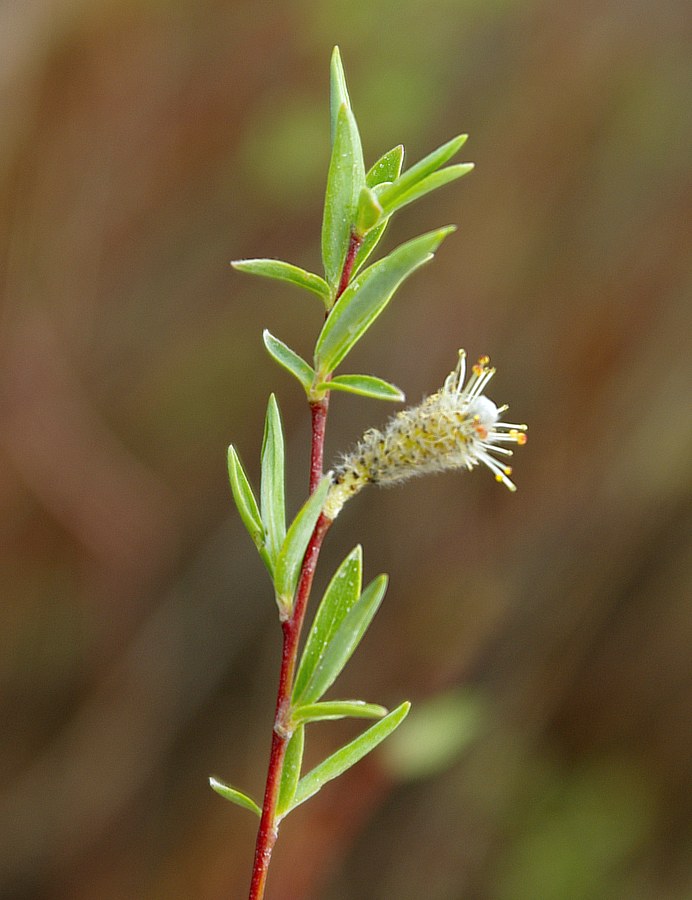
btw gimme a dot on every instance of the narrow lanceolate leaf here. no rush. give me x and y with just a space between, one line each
349 755
247 505
338 92
289 359
341 594
272 502
283 271
365 385
387 167
343 642
337 709
344 183
368 295
290 773
295 544
429 164
428 184
235 796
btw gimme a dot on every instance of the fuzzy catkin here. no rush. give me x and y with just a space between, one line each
456 427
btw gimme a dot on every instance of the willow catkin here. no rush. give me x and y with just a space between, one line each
456 427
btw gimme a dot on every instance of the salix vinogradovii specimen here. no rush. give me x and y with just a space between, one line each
456 427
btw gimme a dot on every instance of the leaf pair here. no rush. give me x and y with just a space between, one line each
366 297
295 790
342 618
422 178
365 385
340 622
282 551
340 761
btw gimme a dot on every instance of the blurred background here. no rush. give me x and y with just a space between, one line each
544 637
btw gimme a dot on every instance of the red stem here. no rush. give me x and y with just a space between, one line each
318 411
268 827
354 243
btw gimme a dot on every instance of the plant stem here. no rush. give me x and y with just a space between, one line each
318 411
281 735
268 829
353 246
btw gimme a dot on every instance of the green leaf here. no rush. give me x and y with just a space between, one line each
369 211
416 173
367 296
337 709
430 183
338 92
349 755
283 271
294 546
346 175
365 385
342 643
272 501
387 167
290 773
344 182
342 592
289 360
370 241
235 796
247 505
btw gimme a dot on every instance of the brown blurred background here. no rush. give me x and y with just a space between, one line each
143 145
